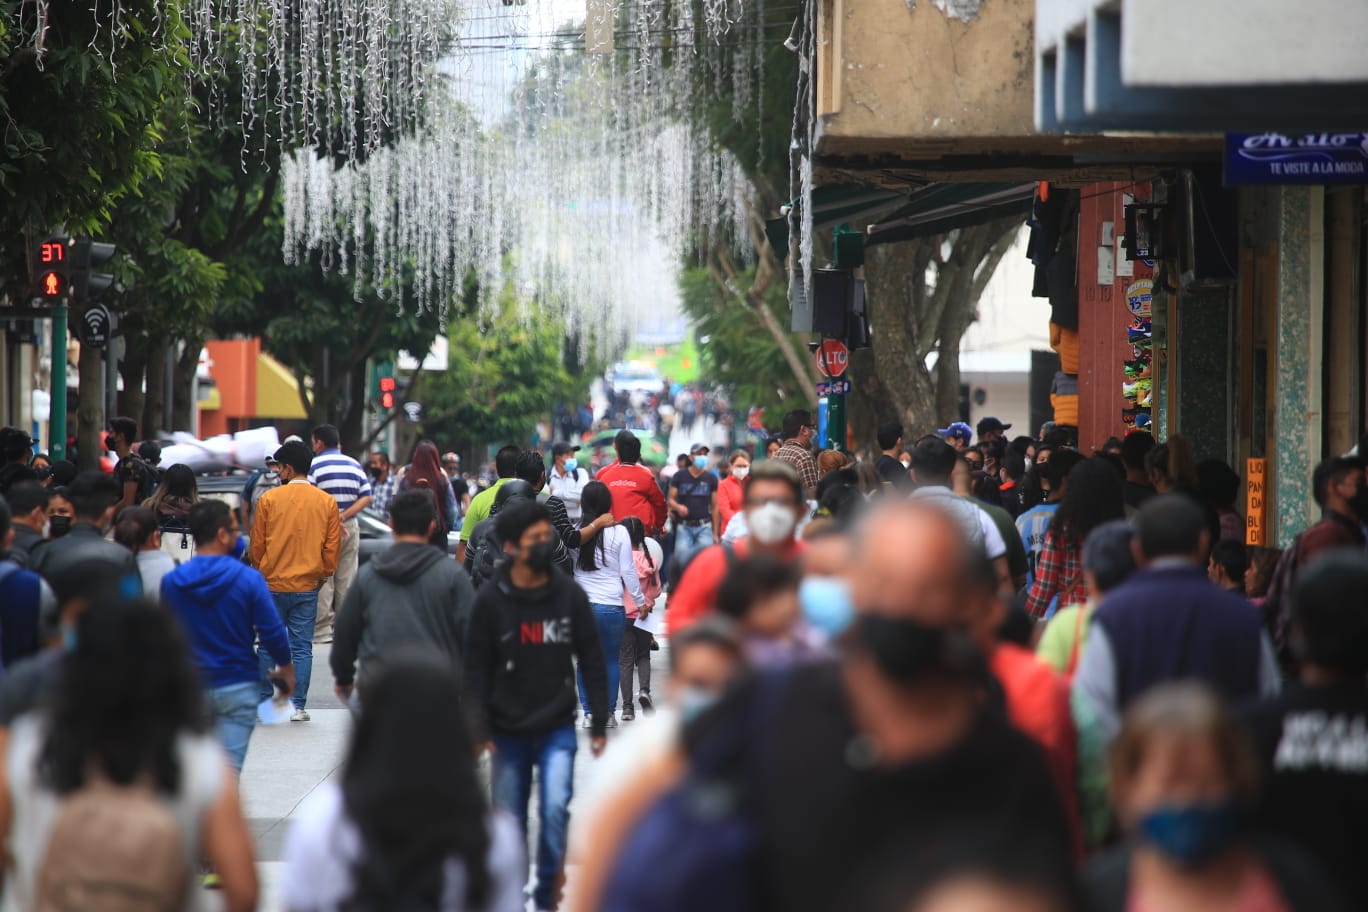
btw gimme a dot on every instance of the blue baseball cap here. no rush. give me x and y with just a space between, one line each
957 429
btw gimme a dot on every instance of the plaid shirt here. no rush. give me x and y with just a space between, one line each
800 457
382 492
1058 572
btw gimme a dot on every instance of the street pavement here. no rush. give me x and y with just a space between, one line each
287 762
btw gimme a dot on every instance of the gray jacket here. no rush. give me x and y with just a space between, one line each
411 596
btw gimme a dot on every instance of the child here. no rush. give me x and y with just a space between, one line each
637 644
761 595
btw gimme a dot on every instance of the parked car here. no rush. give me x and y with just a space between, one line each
654 451
376 536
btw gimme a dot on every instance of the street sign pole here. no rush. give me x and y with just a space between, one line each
57 417
836 422
833 359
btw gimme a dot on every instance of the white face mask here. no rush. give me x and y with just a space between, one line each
740 472
907 463
771 523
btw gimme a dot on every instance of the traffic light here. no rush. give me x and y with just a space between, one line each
52 267
85 253
387 386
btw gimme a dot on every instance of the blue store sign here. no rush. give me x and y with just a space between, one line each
1310 158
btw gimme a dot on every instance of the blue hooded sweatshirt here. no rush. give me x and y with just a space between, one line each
223 604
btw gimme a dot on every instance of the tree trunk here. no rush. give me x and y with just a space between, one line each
132 368
154 403
350 422
184 404
90 416
894 284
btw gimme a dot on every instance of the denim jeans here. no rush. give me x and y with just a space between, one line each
298 610
554 755
612 621
234 709
688 541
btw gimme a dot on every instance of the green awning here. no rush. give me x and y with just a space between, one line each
937 208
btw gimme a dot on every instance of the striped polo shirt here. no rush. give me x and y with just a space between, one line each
341 476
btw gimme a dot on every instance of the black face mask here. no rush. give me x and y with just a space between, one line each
374 471
1359 503
907 651
109 441
59 526
540 556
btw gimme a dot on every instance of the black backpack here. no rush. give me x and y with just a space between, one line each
483 552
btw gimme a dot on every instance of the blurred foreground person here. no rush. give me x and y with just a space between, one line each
426 839
903 747
761 595
24 598
28 502
115 789
962 880
1183 780
1312 741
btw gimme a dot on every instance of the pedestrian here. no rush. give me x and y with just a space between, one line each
1108 561
529 624
1092 496
991 428
424 840
1310 740
16 452
1262 562
731 491
424 474
760 594
772 446
1168 622
506 465
963 483
957 435
829 461
569 535
136 529
1219 485
486 552
633 486
342 478
1034 525
125 711
899 752
605 569
1171 469
890 439
773 506
1228 564
92 498
296 539
60 513
566 480
451 464
1135 450
634 658
257 486
383 483
225 607
174 496
1184 781
412 596
27 501
693 505
933 467
25 597
135 477
795 448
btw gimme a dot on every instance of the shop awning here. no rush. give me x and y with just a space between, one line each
937 208
277 395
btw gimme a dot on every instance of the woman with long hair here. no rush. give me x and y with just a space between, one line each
126 711
1092 496
136 529
176 494
408 826
426 472
1171 467
605 569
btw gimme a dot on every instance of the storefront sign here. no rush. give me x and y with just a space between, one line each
1311 158
1255 501
1140 298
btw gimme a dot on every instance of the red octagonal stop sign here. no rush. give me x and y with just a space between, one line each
832 358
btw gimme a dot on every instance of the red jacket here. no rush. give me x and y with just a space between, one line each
635 493
695 593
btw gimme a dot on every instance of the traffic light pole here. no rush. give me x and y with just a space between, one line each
58 400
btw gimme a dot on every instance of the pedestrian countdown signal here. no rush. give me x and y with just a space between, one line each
51 269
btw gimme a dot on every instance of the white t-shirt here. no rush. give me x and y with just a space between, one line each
568 488
152 566
978 525
324 844
616 567
204 772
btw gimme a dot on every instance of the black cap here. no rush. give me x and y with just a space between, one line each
559 449
990 425
13 442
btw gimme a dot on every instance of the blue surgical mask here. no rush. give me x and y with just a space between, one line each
570 466
240 547
694 701
700 462
69 638
1192 834
826 604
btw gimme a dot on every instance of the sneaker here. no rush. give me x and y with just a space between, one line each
588 721
647 704
210 881
612 721
628 714
300 715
